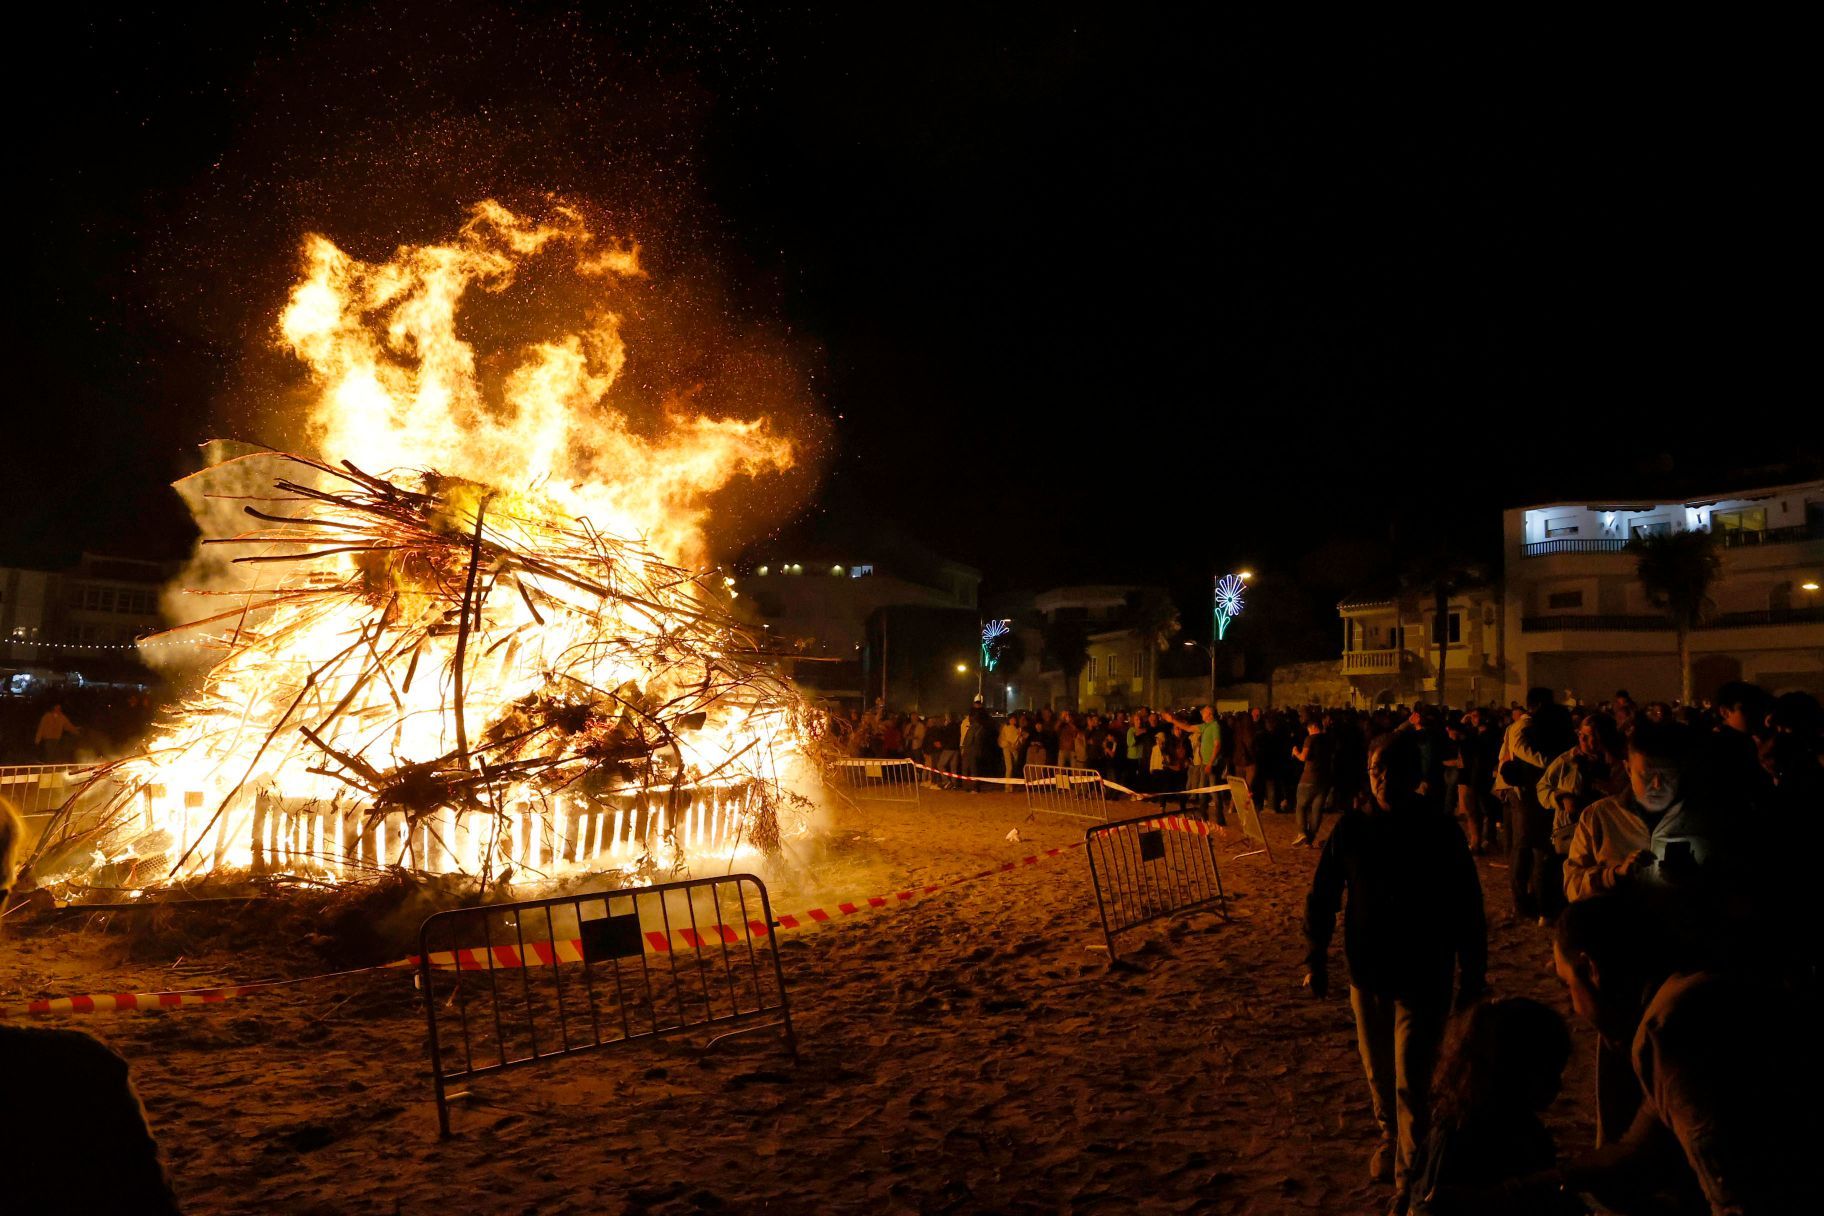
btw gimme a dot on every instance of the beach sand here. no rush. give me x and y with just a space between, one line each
971 1051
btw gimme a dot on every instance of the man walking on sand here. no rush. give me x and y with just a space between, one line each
1414 916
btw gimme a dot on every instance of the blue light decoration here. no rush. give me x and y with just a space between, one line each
1228 602
994 635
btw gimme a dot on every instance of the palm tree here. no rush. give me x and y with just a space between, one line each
1067 645
1152 618
1439 574
1677 570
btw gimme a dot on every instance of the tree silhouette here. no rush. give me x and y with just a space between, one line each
1151 617
1067 645
1438 574
1677 570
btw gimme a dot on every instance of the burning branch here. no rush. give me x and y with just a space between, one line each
611 679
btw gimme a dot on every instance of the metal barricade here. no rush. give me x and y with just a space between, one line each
1152 866
1246 814
39 792
526 983
880 780
1075 793
37 789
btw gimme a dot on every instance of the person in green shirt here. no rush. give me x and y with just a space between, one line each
1206 745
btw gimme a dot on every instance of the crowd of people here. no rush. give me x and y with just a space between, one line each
1665 848
1657 844
1660 850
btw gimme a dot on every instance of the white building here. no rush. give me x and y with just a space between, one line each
1390 647
1578 621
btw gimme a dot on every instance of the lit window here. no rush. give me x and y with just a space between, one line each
762 570
1560 527
1752 519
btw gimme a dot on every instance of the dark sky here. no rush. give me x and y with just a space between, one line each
1082 293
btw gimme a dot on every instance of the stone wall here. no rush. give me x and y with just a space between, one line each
1300 684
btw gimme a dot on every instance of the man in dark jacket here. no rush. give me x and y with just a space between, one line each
1414 915
979 745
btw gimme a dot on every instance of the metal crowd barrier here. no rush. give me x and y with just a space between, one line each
40 793
38 789
1248 815
880 780
511 985
1076 793
1152 866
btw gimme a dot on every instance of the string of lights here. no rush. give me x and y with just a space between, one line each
108 645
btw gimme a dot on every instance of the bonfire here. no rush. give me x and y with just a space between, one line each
474 636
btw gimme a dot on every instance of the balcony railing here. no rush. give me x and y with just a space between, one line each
1372 662
1771 616
1766 536
1737 539
1543 547
1644 623
1652 622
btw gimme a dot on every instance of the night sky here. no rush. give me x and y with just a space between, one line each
1092 294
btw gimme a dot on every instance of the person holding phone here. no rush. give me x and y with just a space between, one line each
1642 840
1646 833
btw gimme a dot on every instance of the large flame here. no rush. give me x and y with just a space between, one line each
364 714
400 385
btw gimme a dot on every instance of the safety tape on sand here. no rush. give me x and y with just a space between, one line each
1069 780
700 937
536 954
184 998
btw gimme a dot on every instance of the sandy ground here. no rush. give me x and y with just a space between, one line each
968 1052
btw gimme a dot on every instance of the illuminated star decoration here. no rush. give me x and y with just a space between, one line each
994 633
1228 602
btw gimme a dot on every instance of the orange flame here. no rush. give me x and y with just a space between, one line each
398 387
400 384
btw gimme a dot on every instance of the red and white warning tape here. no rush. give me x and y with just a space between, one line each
1062 780
545 954
112 1002
535 954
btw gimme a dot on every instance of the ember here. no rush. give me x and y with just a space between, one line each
502 664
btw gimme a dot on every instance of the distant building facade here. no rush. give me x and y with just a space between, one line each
818 604
59 624
1578 621
1123 669
1390 647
